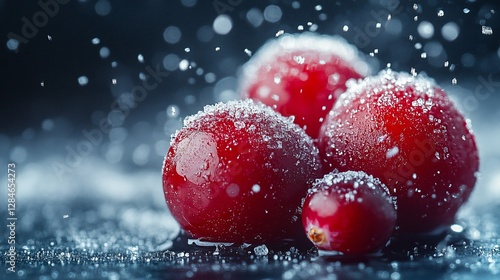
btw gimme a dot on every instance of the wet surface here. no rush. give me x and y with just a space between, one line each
123 241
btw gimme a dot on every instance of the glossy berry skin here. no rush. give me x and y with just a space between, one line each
237 172
302 76
405 131
349 212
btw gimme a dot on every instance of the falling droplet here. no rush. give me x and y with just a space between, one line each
140 58
83 80
486 30
454 81
440 13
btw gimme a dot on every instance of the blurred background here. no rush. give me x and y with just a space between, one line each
90 92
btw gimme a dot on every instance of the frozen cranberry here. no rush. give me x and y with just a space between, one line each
302 76
405 131
237 172
349 212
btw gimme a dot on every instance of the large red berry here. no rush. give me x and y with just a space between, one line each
302 76
349 212
405 131
237 172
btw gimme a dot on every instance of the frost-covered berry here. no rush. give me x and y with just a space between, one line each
237 172
302 76
349 212
405 131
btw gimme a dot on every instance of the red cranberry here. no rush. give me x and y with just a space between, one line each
349 212
302 76
237 172
405 131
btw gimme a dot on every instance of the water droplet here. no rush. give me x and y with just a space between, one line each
222 24
450 31
104 52
457 228
239 125
392 152
172 34
183 65
425 29
254 17
486 30
83 80
12 44
140 58
233 190
272 13
261 250
299 59
173 111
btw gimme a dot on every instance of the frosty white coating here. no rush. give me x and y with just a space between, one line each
358 178
388 81
329 45
244 110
